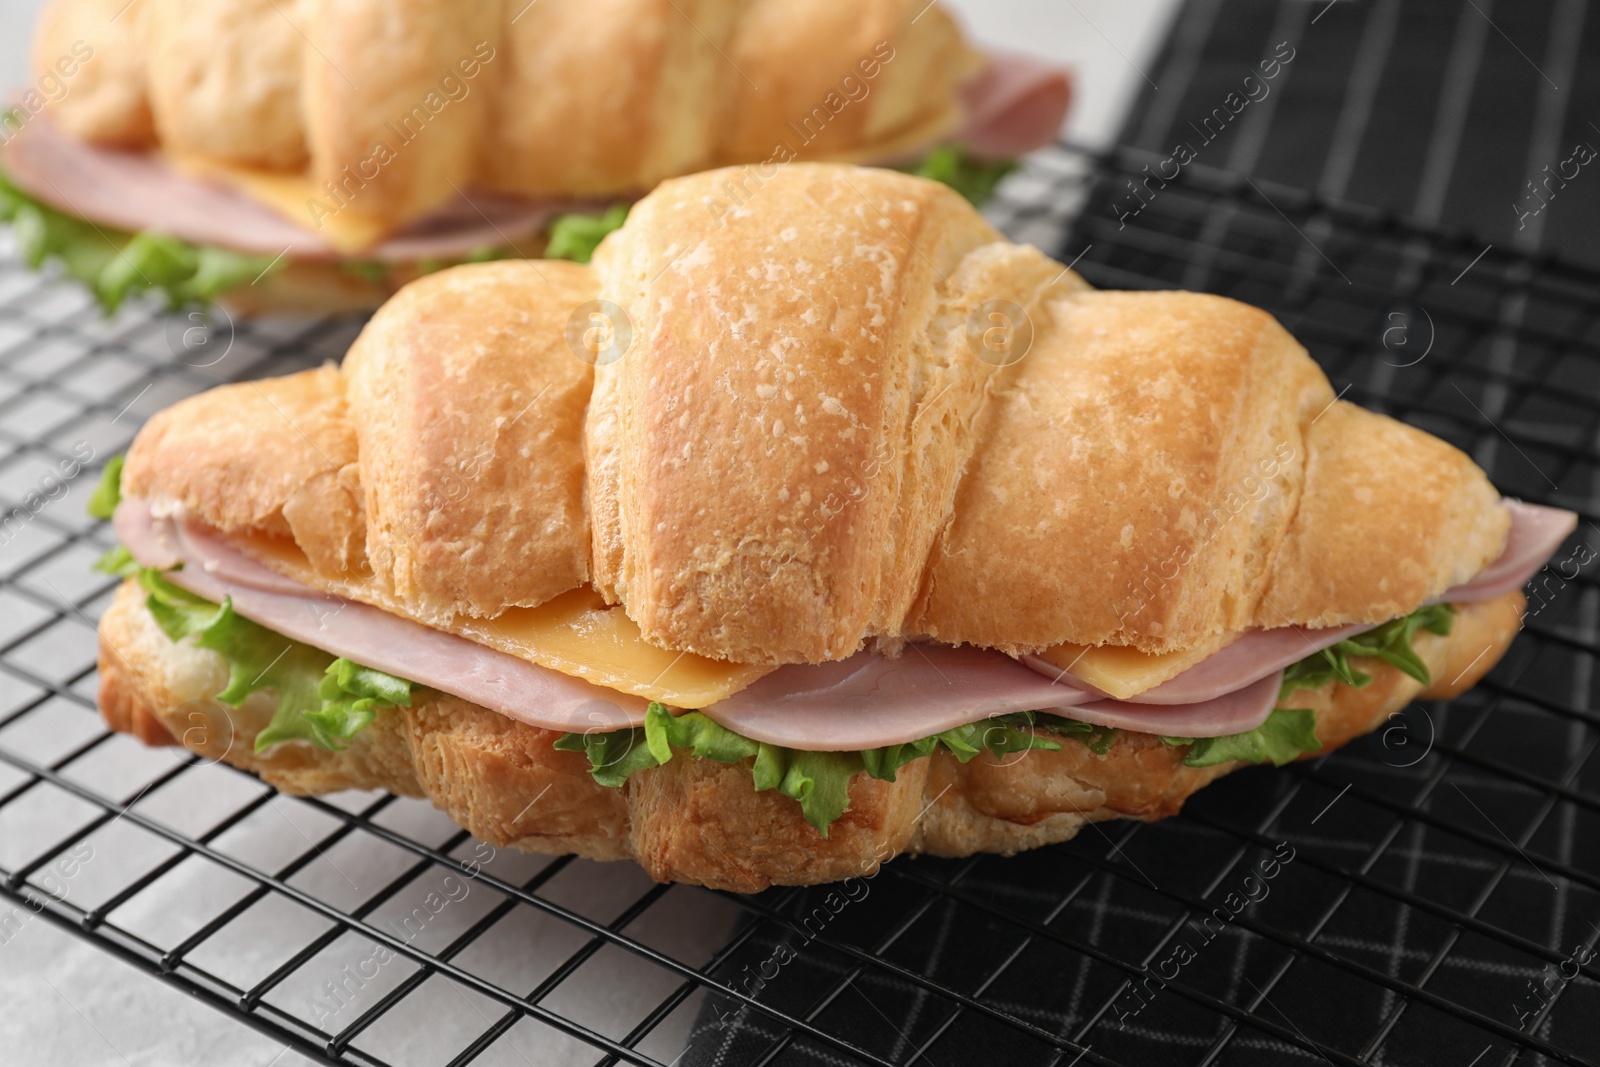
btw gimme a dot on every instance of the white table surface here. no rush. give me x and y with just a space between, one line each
63 1002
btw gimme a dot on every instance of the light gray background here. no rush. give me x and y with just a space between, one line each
63 1002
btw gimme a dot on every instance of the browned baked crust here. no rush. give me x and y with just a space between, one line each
694 820
562 97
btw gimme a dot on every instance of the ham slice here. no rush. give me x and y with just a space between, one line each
224 563
139 191
515 688
136 191
868 700
465 224
1014 105
1536 532
1233 712
1246 661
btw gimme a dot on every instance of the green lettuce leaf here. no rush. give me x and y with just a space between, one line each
108 494
118 561
321 699
697 733
884 763
819 781
1286 734
351 696
613 756
1289 732
1390 643
974 179
114 263
576 236
367 270
1096 739
1000 735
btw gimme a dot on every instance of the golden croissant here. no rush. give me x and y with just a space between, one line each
349 146
793 535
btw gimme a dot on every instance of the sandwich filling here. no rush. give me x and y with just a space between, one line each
336 663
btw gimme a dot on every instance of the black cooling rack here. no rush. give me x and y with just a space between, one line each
1432 895
1429 896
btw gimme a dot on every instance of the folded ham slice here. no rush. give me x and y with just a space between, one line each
1252 657
1536 532
868 701
1234 712
1016 104
223 562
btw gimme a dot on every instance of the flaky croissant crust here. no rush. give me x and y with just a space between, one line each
804 445
398 104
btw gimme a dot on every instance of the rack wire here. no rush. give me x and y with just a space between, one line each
1441 895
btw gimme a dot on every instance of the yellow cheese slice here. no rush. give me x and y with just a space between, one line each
1123 672
347 228
576 633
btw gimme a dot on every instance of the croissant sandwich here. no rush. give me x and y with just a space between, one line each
316 155
754 552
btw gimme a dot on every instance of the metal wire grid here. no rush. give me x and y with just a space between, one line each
1422 898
